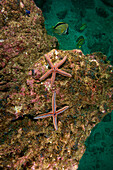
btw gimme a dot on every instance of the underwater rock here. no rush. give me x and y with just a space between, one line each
16 36
87 93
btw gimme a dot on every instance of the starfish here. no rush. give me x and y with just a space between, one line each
54 69
54 113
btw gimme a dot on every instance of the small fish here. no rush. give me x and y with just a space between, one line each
27 12
61 28
83 26
80 41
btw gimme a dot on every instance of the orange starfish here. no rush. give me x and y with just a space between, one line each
54 113
54 69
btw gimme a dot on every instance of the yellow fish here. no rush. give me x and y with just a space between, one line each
61 28
83 26
80 41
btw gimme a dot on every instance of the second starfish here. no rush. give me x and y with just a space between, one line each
54 113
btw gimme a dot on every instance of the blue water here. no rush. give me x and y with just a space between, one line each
97 16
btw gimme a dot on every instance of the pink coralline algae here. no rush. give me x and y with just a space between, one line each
30 82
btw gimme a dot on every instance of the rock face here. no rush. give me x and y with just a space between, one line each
88 93
29 143
19 37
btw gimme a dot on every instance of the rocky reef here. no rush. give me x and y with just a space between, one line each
34 144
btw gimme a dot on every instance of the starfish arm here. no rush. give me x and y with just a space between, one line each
44 115
54 102
46 74
55 122
61 62
62 110
63 73
53 78
49 61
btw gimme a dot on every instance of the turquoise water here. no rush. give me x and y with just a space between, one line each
96 15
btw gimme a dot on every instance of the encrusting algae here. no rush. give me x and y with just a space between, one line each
34 144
